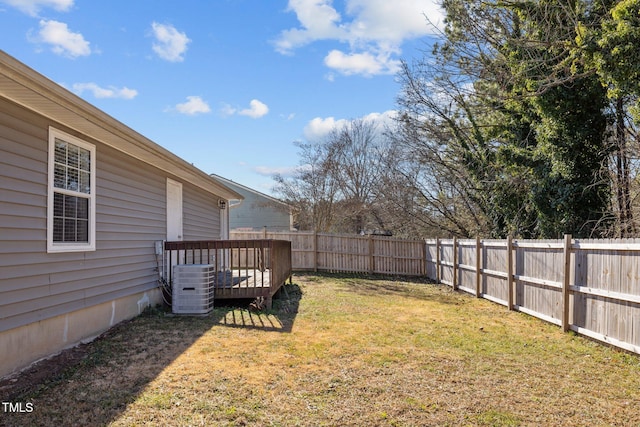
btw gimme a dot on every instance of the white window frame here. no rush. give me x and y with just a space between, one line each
91 196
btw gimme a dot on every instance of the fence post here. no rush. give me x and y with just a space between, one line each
565 282
315 251
437 260
511 296
455 263
424 258
478 266
372 261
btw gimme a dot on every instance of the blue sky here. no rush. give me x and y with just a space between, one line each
228 85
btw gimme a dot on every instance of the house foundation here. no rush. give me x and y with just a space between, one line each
27 344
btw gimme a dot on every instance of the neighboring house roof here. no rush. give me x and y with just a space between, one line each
241 187
32 90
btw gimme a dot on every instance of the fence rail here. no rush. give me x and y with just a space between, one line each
589 286
348 253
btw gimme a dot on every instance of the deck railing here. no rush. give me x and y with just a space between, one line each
245 268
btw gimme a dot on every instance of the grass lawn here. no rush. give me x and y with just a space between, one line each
341 351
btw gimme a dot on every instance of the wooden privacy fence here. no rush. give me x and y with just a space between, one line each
589 286
348 253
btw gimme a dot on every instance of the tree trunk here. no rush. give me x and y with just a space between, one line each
625 215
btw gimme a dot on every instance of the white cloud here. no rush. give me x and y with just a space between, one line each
382 119
32 7
373 29
256 110
227 110
170 44
194 105
109 92
365 63
319 20
319 128
393 22
63 41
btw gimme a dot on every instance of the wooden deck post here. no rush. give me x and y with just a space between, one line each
565 282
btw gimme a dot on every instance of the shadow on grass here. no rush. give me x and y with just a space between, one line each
422 288
240 313
92 384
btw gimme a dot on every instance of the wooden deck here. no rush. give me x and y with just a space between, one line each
245 268
246 283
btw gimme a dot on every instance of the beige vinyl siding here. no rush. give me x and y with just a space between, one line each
130 202
130 217
23 170
201 215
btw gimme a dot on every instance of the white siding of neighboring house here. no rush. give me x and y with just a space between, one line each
258 211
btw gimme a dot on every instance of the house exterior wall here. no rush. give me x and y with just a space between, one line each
256 212
201 215
38 289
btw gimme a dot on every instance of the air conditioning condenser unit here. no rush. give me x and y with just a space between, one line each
193 288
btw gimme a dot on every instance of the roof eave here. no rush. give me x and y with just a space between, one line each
229 182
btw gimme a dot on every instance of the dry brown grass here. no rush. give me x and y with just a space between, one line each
340 351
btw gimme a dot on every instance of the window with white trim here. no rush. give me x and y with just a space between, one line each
71 194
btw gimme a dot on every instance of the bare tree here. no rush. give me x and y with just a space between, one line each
440 169
336 187
624 171
355 152
312 190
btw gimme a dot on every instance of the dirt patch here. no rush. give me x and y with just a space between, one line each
41 372
47 371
